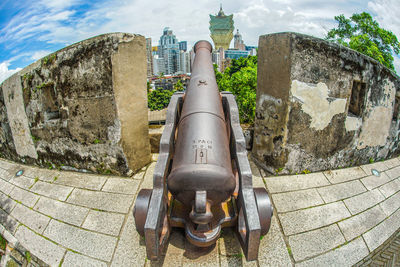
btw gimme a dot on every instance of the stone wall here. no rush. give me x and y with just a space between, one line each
83 107
322 106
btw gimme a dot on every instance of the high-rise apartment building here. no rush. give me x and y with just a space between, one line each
149 57
168 49
221 28
183 46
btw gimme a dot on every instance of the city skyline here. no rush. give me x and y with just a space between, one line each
31 30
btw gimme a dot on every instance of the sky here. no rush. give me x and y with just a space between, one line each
31 29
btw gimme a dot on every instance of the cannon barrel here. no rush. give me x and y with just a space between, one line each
202 157
202 180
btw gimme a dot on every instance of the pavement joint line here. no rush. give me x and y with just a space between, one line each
325 203
83 221
55 219
285 238
129 214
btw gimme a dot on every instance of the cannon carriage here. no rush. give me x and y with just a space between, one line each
202 180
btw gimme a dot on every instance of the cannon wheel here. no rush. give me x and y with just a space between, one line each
141 208
264 208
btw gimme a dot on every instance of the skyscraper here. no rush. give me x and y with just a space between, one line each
238 42
149 58
168 49
221 28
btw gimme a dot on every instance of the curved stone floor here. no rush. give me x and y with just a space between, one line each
339 218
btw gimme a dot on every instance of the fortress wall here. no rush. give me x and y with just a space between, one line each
83 107
322 106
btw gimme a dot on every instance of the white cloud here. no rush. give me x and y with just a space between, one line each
396 64
57 22
387 14
5 72
39 54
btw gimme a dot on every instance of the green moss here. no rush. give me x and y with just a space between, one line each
371 160
28 256
55 178
49 60
3 243
35 139
96 141
306 171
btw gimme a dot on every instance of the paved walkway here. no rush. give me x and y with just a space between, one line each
73 219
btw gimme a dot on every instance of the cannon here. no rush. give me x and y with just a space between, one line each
202 180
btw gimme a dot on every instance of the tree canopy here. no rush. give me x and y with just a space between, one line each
240 78
363 34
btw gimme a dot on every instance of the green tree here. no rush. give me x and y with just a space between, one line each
179 86
362 33
159 99
240 78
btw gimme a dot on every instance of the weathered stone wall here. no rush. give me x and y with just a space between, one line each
322 106
83 107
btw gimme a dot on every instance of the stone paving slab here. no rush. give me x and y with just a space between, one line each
301 199
390 188
6 203
315 242
393 173
380 166
73 259
89 243
55 191
121 185
308 219
391 163
86 181
341 191
25 197
6 187
32 219
46 250
391 204
273 250
372 181
8 222
101 200
104 222
361 223
62 211
295 182
346 255
22 181
344 175
359 203
379 234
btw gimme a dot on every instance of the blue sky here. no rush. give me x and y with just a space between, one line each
31 29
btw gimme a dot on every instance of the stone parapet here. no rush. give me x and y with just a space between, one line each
83 107
322 106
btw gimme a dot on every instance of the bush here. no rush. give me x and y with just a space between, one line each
159 99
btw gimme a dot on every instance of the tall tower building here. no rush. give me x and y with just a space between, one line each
238 42
221 28
149 58
168 49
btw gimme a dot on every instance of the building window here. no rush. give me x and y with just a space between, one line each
357 98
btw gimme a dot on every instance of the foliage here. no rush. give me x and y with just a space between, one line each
159 99
240 78
363 34
179 86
